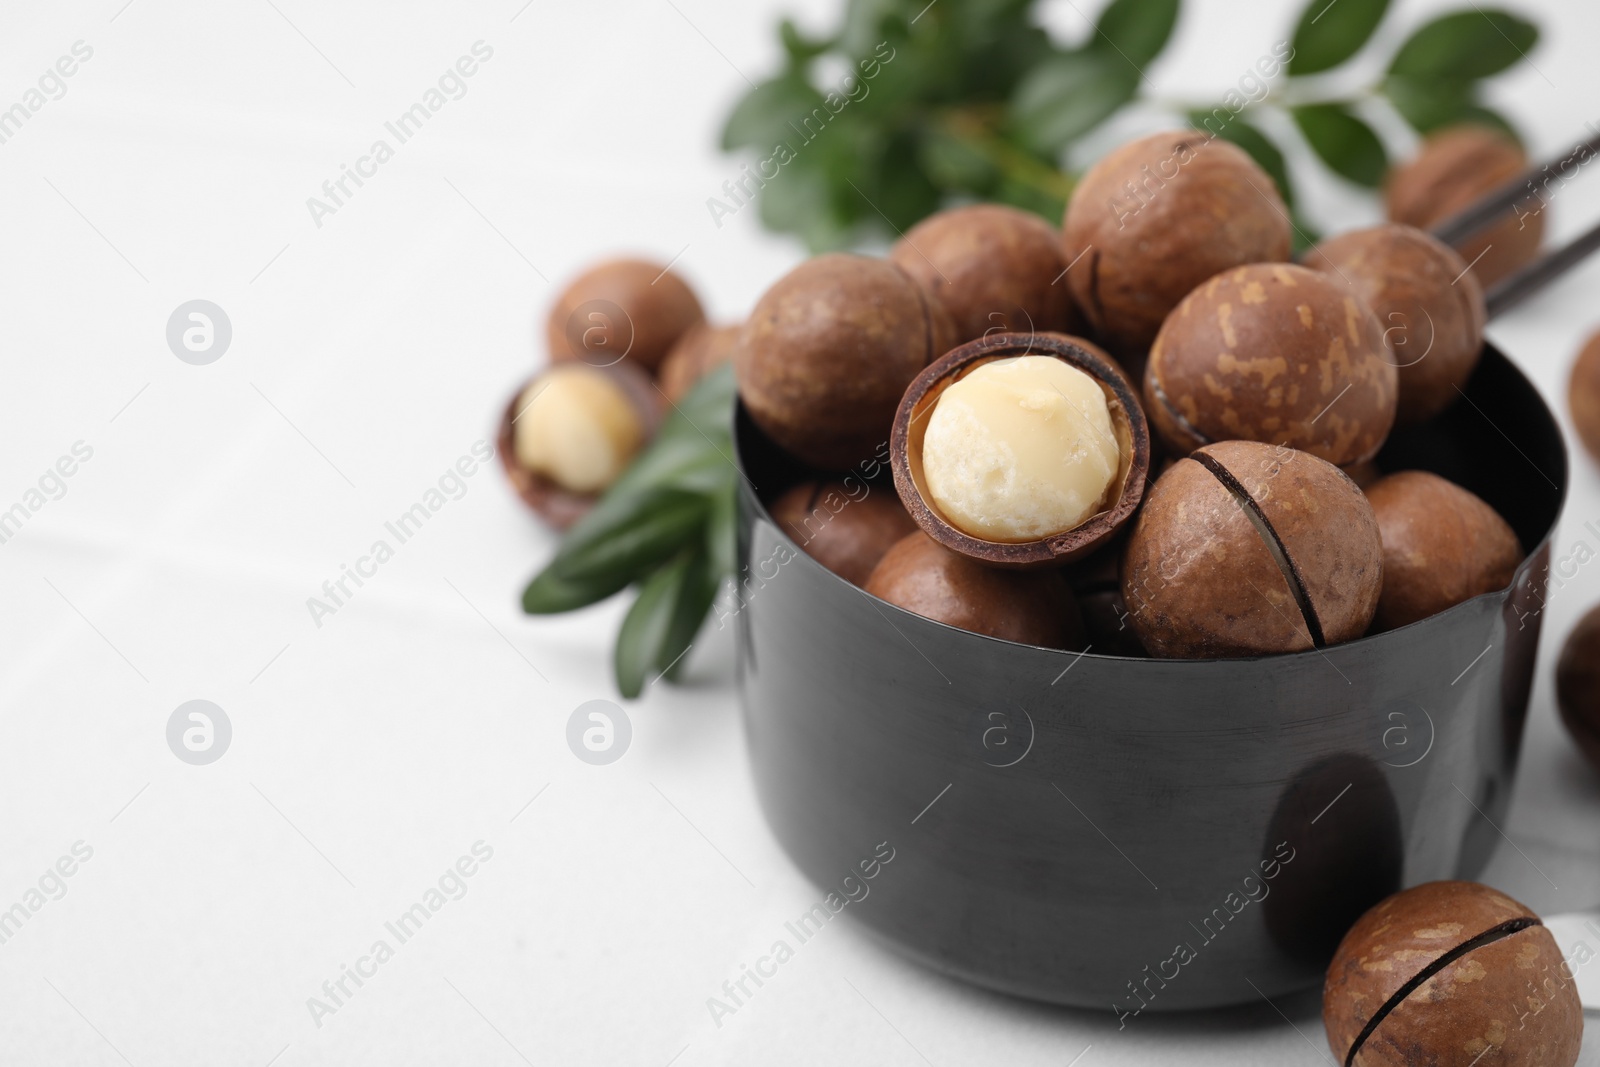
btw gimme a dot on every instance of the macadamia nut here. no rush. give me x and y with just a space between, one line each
577 427
922 576
1451 972
1452 169
1578 685
1157 217
995 269
621 308
1020 449
828 351
1583 395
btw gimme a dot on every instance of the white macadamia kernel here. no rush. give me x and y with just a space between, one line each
1020 449
577 427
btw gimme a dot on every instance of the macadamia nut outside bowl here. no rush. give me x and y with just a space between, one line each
1141 834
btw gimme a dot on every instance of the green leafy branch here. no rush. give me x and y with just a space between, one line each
978 103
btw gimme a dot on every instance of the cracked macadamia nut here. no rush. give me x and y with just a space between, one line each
1031 608
1429 306
996 269
1451 973
1247 549
1275 353
1583 396
1442 545
1157 217
1454 168
566 436
1578 685
622 308
828 351
1020 449
698 352
578 427
846 526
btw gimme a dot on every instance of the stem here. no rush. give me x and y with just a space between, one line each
975 125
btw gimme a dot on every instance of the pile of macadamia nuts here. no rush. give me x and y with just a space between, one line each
1153 409
1148 432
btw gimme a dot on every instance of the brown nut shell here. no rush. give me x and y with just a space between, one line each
828 351
1578 685
621 309
996 269
1456 167
1248 549
1127 422
702 349
843 526
558 506
921 576
1096 583
1198 580
1442 545
1155 218
1440 974
1429 306
1583 396
1276 353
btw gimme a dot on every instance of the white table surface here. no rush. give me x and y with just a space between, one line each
371 752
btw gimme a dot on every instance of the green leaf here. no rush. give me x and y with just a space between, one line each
1263 151
692 451
1465 45
1344 142
1135 30
680 470
645 628
661 625
1030 198
700 587
626 550
1431 105
761 118
867 22
550 594
1066 97
992 61
708 408
1428 103
900 188
589 569
980 15
800 201
798 46
1331 31
957 163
